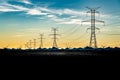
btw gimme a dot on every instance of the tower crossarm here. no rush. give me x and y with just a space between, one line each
85 22
97 28
99 21
88 29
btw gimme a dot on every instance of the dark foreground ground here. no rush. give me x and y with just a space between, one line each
41 57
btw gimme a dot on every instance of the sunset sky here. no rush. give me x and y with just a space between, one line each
24 20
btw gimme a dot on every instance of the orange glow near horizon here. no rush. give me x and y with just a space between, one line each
20 41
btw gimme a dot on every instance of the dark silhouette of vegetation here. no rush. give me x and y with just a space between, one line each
87 51
55 55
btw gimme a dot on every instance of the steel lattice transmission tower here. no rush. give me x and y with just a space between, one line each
41 40
30 44
93 28
34 41
26 45
55 37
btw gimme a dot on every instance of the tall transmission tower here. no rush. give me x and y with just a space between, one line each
68 45
93 28
55 37
41 40
27 45
34 42
30 43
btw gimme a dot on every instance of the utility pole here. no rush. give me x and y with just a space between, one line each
55 37
93 28
41 41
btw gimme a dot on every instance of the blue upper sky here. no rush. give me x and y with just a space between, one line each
54 8
58 11
110 6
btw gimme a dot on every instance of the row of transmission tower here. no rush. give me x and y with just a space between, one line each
93 28
34 42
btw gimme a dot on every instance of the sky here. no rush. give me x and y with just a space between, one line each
24 20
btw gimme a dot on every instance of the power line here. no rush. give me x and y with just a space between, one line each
72 31
113 23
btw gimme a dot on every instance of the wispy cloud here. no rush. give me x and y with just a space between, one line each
25 1
73 12
51 16
69 20
7 9
35 12
15 8
18 36
20 8
72 21
73 16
